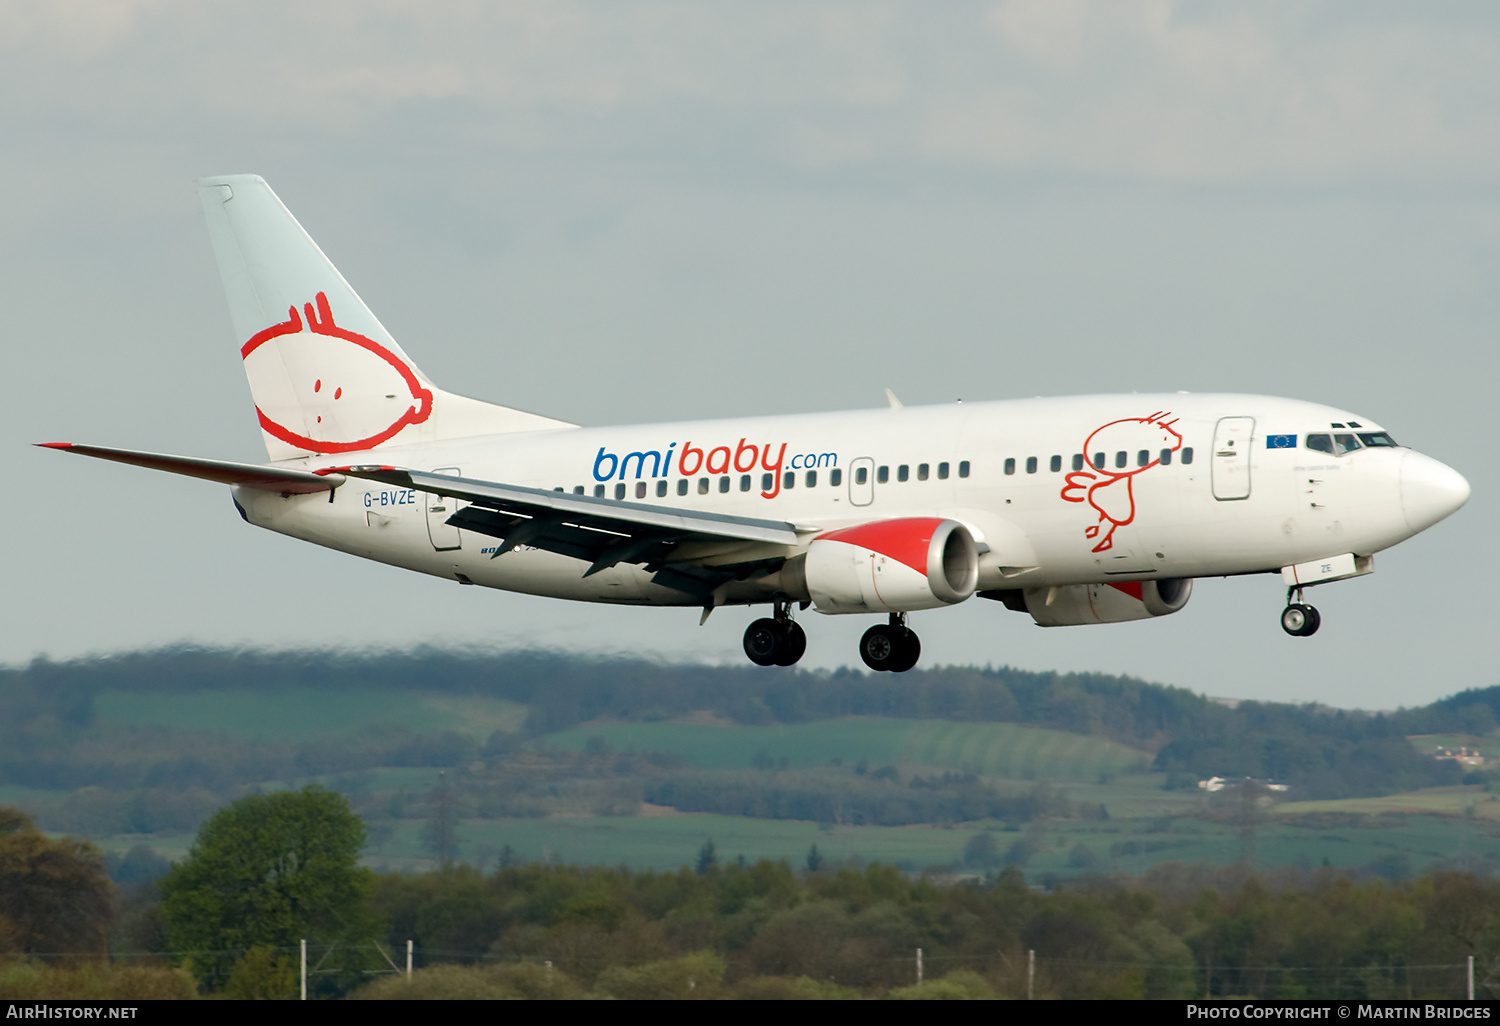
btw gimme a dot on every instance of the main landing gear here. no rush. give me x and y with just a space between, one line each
775 641
1299 619
892 646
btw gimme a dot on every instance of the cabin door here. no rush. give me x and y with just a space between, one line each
1231 466
439 508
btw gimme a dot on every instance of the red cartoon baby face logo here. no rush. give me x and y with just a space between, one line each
350 378
1109 490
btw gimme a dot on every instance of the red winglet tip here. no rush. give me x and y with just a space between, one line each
53 445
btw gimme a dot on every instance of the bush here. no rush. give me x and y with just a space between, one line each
960 985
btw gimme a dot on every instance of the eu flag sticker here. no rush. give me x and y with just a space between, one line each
1281 441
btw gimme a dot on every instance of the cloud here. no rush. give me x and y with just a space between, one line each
1151 90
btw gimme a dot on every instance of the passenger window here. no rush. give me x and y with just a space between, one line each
860 476
620 490
1031 464
661 488
598 491
1098 461
744 482
682 486
558 488
703 486
640 489
921 472
812 478
724 484
1187 456
789 479
1378 440
903 472
1166 458
578 489
963 469
835 477
1142 458
882 474
1056 464
1010 466
942 471
1344 443
1120 459
1320 443
767 482
1078 461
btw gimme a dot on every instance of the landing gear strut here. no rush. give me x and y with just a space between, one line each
892 646
775 640
1299 619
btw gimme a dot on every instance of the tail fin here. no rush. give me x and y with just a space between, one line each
325 375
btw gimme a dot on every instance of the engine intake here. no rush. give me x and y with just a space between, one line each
892 566
1077 604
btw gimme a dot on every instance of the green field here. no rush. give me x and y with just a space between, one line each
305 714
993 749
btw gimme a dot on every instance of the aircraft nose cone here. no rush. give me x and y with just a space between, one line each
1430 491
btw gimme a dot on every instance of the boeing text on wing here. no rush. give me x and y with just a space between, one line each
1089 509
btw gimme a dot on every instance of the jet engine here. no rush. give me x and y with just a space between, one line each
887 566
1103 603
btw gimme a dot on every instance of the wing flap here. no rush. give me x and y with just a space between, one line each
601 532
270 479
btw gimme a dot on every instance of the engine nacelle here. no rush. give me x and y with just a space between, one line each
891 566
1107 603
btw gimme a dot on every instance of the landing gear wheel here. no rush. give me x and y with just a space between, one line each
763 641
878 648
890 648
910 652
793 644
771 642
1300 620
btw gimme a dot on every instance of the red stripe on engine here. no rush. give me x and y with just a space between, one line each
906 540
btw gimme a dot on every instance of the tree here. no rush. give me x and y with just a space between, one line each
268 871
814 859
707 857
54 895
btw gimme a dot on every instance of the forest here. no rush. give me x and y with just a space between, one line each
714 928
51 737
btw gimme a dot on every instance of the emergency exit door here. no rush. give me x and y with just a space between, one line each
1231 458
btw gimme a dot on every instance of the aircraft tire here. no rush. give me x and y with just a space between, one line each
909 651
1300 621
793 644
879 648
763 641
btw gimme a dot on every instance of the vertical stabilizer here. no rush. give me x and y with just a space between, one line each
325 375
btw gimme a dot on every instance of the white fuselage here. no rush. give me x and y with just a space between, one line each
1228 496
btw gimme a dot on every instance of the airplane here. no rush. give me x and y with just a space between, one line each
1078 510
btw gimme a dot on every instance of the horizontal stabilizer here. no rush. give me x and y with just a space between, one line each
269 479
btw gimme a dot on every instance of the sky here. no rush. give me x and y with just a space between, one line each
617 212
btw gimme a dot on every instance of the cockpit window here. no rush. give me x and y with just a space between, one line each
1377 440
1340 443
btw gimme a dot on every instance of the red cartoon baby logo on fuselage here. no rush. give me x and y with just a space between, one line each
373 373
1111 492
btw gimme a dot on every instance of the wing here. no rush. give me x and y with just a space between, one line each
269 479
673 543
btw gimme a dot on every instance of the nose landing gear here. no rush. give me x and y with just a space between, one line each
892 647
775 640
1299 619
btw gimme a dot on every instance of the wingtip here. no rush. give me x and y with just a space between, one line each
53 445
